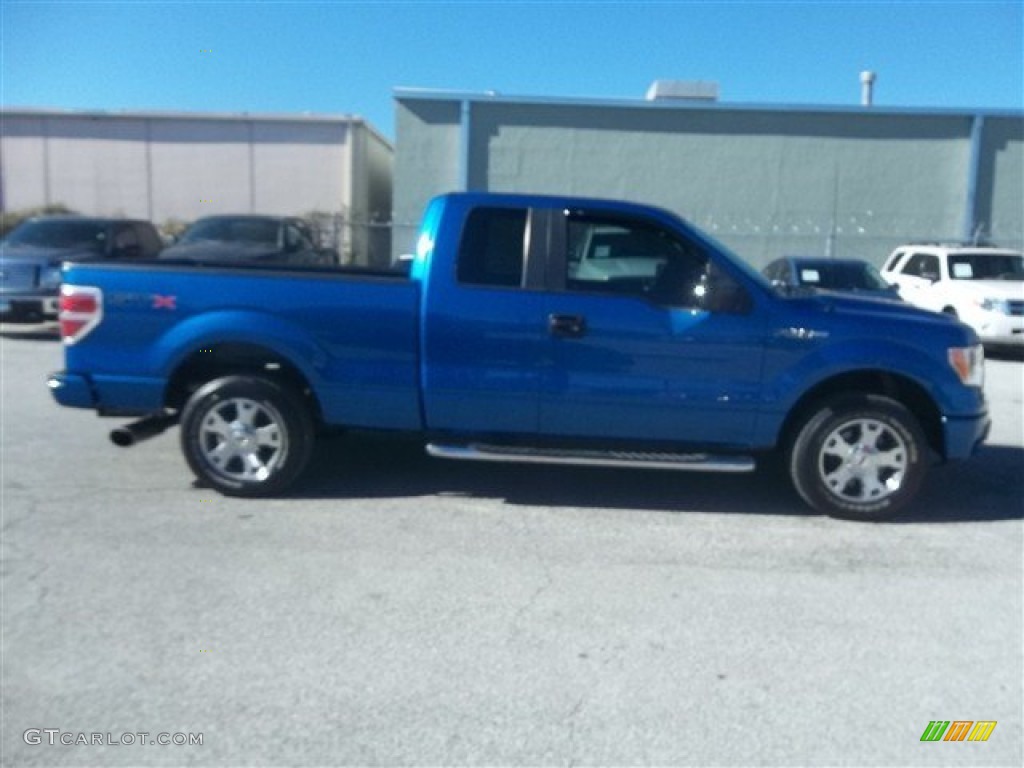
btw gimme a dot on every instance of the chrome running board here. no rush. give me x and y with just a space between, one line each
691 462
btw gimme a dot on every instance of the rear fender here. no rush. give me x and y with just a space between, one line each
285 339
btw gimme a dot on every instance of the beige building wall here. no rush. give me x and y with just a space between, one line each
183 166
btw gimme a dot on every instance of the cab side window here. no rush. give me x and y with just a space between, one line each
924 265
295 240
607 254
149 240
126 243
493 248
776 271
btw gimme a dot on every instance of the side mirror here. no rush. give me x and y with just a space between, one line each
719 292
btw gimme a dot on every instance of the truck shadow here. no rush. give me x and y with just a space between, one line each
990 487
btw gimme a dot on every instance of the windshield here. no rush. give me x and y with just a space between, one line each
986 266
841 276
240 230
60 233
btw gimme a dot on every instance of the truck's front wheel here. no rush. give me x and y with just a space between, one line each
860 457
246 435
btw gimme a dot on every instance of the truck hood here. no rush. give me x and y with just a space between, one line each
212 250
41 257
869 313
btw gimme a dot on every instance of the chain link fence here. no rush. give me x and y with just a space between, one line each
359 241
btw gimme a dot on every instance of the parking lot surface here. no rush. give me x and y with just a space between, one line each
398 610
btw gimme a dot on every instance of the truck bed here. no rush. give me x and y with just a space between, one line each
351 333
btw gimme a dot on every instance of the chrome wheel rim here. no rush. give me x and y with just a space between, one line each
243 440
863 461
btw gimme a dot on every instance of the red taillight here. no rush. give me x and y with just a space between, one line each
70 329
81 309
79 302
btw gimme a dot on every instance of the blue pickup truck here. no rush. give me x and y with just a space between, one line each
531 329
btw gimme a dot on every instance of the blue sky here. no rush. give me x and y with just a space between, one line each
347 57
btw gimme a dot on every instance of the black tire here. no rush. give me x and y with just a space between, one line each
246 436
859 457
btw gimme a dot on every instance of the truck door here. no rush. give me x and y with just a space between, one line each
484 339
649 337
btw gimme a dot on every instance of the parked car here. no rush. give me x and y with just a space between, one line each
499 347
845 275
251 239
982 286
32 253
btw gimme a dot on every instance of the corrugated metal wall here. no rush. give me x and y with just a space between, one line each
767 182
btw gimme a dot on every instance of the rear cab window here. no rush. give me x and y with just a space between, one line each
493 248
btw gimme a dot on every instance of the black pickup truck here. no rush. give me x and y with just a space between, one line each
32 253
251 239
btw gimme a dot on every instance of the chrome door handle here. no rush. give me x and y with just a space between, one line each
567 326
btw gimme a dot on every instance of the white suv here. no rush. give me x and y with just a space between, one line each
984 287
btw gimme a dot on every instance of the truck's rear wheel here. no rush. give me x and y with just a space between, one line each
859 457
246 436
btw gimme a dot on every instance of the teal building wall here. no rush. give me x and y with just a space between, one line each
766 181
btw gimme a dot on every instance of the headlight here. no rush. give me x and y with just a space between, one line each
1001 306
969 364
50 277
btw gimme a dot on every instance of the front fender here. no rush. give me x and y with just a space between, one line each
791 374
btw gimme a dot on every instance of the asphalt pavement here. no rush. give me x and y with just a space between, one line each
401 610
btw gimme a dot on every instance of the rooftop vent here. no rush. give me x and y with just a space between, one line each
867 87
687 90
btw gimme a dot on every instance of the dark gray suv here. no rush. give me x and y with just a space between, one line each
31 255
